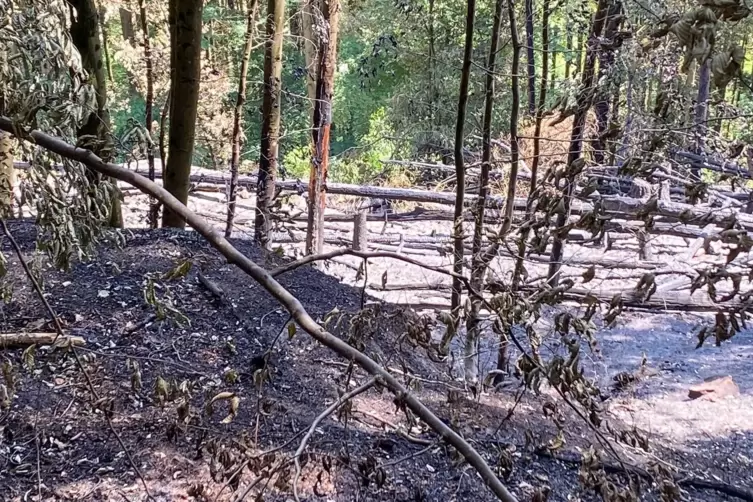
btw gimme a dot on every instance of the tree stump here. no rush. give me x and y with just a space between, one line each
645 249
360 231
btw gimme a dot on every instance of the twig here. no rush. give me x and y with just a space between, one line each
398 431
255 482
512 410
59 330
331 409
408 457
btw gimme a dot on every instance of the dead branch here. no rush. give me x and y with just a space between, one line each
21 340
290 302
680 479
331 409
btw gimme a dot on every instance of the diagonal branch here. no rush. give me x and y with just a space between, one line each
286 299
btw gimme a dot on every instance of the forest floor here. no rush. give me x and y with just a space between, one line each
54 445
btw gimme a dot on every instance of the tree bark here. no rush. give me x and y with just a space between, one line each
86 37
185 64
465 76
569 50
606 61
240 101
514 116
126 23
7 175
270 126
701 111
149 118
542 97
576 137
531 59
322 121
478 264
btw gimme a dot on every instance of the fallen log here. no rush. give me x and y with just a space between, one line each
23 340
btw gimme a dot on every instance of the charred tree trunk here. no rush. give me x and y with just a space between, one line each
606 60
86 37
574 160
465 75
270 126
542 96
701 111
479 264
185 62
240 101
569 51
514 116
531 60
325 84
149 118
105 45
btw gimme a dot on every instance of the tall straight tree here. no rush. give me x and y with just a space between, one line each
328 23
574 156
606 61
185 65
531 59
478 261
457 233
240 101
514 113
270 125
87 39
149 106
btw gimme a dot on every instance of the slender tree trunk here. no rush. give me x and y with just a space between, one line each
606 60
162 131
576 138
325 84
553 67
185 63
578 54
240 101
701 112
310 19
569 50
86 37
432 66
465 76
149 115
514 113
105 44
270 126
628 129
126 24
478 266
7 174
531 58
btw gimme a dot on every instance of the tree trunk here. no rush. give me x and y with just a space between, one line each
270 126
478 266
514 113
628 129
553 68
701 107
606 60
185 64
576 138
569 51
105 44
126 23
86 37
432 66
240 101
149 118
7 175
325 85
465 76
578 54
310 19
530 59
542 97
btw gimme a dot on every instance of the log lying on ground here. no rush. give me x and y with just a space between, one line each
719 166
22 340
282 295
661 300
